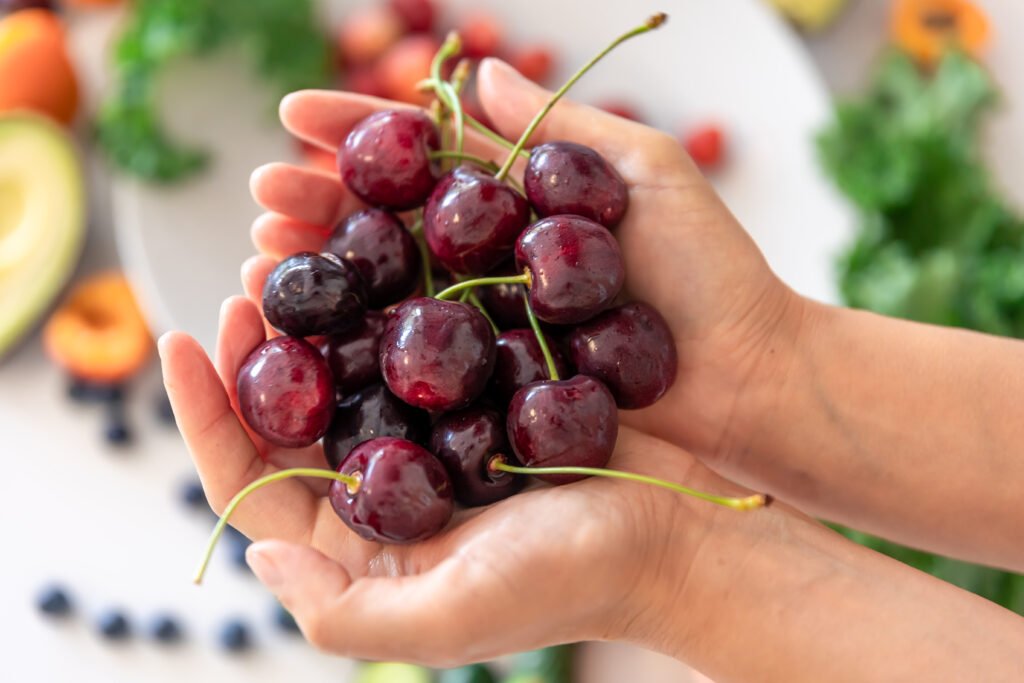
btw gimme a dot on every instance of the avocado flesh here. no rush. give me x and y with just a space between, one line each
42 220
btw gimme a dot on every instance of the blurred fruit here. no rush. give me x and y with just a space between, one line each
54 601
98 333
386 672
405 65
536 62
481 34
42 219
8 6
705 145
235 636
926 29
810 15
364 80
91 3
35 72
368 32
166 630
113 625
622 109
418 15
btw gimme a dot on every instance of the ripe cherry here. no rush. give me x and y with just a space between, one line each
383 250
565 177
354 355
471 220
285 392
368 414
311 294
403 493
504 302
629 348
575 268
519 362
570 422
465 442
385 160
437 355
418 15
705 145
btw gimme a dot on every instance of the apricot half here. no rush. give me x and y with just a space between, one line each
35 72
98 333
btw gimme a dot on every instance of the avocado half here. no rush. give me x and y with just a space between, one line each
42 219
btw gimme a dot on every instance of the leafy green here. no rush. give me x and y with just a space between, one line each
280 36
936 241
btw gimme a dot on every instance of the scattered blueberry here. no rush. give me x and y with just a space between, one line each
85 391
235 636
284 619
113 625
164 412
117 434
78 390
54 601
165 629
192 495
238 548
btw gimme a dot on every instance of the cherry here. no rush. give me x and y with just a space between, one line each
705 145
311 294
504 301
285 392
465 442
437 355
385 160
535 62
565 177
481 35
368 32
519 362
471 220
418 15
622 109
368 414
570 422
575 268
383 250
354 355
403 493
630 349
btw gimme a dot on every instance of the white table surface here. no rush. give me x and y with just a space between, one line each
79 537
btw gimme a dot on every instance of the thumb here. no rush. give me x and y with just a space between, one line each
299 576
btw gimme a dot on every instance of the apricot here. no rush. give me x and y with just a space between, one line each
98 333
35 72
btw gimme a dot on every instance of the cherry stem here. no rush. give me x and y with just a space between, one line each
445 92
475 300
462 156
652 23
492 136
351 481
541 339
458 287
752 502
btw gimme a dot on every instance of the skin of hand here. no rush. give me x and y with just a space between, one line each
764 595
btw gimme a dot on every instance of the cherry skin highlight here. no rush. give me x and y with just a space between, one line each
285 392
631 350
437 355
354 355
404 494
519 362
472 219
385 160
383 250
568 423
368 414
575 265
565 177
465 442
311 294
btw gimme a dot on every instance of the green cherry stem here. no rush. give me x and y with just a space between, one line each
445 92
459 287
463 156
481 128
652 23
541 339
752 502
351 481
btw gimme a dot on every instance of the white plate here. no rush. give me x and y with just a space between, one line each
732 61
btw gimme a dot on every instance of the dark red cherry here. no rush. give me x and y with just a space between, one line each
472 219
311 294
564 177
285 392
383 250
354 355
404 494
505 303
465 442
630 349
570 423
576 267
519 361
437 355
368 414
385 160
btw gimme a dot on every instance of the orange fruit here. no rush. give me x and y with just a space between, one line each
35 72
925 29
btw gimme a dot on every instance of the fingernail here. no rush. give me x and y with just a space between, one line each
161 343
263 566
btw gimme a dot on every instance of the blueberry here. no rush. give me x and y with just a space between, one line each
163 409
117 433
166 629
54 601
284 620
192 495
235 636
114 625
238 548
78 390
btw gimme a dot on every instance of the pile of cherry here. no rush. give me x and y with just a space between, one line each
518 368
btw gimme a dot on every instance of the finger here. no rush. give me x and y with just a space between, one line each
223 454
241 330
305 194
278 236
255 270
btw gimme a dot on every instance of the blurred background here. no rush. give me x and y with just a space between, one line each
872 148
